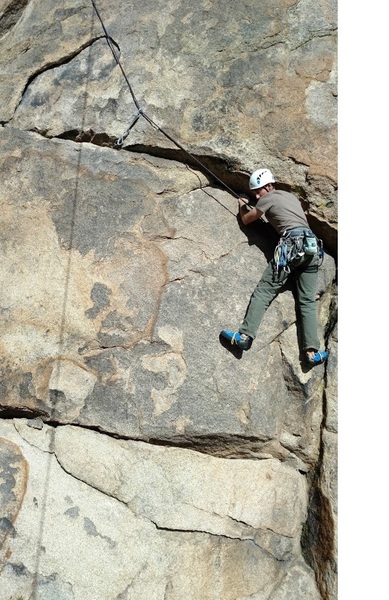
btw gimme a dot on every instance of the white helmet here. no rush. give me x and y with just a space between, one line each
260 178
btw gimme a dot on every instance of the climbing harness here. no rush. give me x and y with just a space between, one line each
119 142
293 245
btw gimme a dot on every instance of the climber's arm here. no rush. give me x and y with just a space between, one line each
248 213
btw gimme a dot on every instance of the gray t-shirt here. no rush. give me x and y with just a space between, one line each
283 210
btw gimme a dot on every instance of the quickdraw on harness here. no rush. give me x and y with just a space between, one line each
293 245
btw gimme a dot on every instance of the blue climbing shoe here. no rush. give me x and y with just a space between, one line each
318 358
239 339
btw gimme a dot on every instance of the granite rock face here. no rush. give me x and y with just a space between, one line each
230 83
130 435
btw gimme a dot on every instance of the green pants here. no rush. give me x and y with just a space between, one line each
305 275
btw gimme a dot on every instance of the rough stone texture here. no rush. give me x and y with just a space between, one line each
140 521
112 282
223 80
130 436
13 478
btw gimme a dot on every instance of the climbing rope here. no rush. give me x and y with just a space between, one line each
119 142
111 45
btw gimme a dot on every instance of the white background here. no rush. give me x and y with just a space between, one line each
363 300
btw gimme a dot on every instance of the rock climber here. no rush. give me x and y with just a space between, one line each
298 254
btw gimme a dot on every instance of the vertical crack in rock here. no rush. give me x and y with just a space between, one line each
318 536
